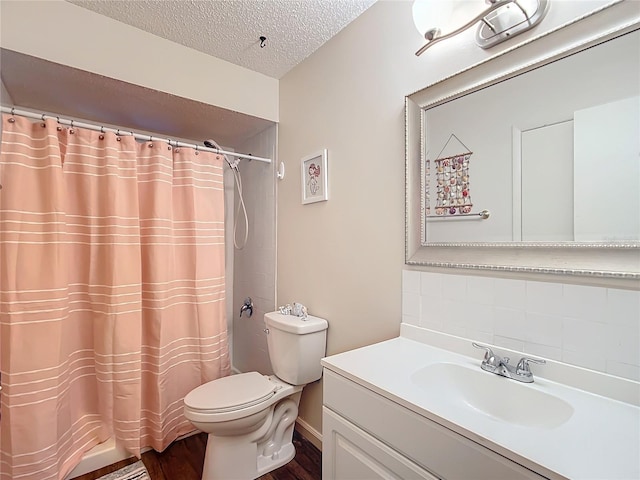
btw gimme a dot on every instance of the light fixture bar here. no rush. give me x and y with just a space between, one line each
487 37
434 37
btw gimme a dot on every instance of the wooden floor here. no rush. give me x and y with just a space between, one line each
183 460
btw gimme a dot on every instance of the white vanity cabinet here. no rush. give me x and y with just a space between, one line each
368 436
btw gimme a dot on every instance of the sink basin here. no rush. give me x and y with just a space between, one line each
498 397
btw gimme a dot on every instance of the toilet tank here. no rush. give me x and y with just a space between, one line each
296 346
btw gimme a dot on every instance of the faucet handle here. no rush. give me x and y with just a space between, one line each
523 365
490 358
488 351
247 306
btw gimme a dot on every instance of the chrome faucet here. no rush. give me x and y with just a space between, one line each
500 365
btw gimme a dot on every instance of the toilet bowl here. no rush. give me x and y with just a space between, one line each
250 417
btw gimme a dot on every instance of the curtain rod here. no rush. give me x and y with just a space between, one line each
139 136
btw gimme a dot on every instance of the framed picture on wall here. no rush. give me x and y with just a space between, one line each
314 178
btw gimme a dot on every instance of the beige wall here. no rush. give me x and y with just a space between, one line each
64 33
343 258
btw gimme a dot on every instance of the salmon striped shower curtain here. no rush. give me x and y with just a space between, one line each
111 289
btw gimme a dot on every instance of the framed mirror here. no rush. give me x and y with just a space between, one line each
530 161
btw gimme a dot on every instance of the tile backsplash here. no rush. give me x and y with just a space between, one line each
592 327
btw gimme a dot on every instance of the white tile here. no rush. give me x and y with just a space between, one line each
590 360
543 329
543 297
481 337
411 305
509 323
623 307
510 343
586 303
582 336
542 351
265 285
456 330
410 281
624 370
456 313
510 293
415 321
480 290
431 284
436 325
623 344
481 318
454 287
431 310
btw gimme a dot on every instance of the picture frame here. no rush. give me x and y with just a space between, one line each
315 187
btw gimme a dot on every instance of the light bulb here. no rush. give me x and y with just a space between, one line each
430 14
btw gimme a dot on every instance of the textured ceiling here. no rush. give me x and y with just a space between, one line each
230 29
226 29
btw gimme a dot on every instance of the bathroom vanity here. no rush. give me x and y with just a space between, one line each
419 406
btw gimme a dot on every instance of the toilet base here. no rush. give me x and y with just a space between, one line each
250 455
278 459
237 460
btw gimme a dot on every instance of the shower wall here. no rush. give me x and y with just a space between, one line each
229 210
254 267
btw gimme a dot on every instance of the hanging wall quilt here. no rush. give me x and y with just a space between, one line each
451 178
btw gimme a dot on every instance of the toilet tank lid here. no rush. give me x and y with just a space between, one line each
293 324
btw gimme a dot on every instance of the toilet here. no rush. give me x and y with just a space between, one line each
250 417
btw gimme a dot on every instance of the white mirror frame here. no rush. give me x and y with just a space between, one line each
603 264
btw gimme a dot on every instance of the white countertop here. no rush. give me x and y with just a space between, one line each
601 439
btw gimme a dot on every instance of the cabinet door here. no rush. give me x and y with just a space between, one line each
429 445
350 453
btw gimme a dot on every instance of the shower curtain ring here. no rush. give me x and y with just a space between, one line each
102 129
42 117
13 110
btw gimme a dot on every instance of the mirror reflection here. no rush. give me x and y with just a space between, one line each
553 154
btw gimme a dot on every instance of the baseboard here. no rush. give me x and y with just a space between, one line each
310 433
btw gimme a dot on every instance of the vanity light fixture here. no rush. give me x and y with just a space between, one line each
499 21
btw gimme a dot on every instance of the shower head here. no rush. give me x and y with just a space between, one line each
210 143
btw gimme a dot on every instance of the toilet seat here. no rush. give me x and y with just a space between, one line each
228 394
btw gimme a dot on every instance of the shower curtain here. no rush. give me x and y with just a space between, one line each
111 291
